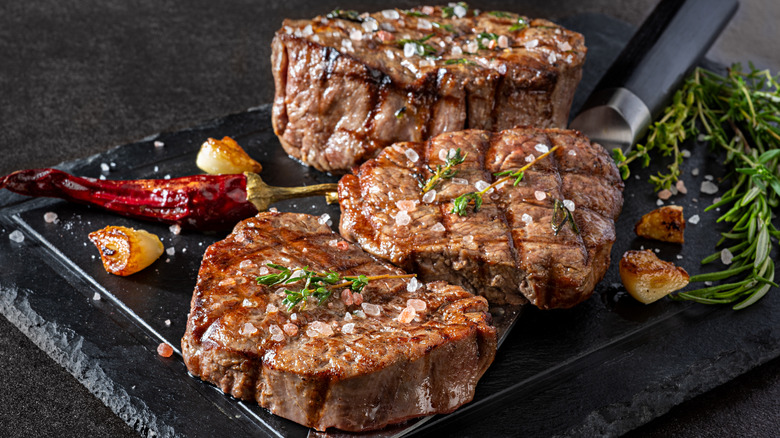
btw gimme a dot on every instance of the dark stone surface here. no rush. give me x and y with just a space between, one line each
80 78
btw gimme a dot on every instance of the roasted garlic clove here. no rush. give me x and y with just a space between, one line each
218 157
666 224
648 278
125 251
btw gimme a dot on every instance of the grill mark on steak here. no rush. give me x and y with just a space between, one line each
507 251
531 82
383 372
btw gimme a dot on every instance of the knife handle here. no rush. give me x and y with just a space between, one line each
666 48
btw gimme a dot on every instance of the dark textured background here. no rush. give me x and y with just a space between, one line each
77 79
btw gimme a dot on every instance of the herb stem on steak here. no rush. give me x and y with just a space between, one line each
461 203
560 216
421 48
738 114
316 284
454 157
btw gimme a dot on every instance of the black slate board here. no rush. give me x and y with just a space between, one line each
605 367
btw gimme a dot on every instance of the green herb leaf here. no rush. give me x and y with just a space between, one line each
454 158
349 15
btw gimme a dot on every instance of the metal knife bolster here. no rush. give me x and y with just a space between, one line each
613 117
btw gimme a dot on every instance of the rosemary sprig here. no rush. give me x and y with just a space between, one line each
315 284
520 25
739 114
454 157
349 15
560 216
461 203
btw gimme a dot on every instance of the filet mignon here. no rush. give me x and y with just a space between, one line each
341 364
508 250
348 84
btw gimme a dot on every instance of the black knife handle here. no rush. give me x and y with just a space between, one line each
666 48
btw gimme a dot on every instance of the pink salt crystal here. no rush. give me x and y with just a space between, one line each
681 187
407 315
665 194
416 304
346 297
357 299
290 328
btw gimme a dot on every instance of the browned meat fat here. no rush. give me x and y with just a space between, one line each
508 251
348 85
352 366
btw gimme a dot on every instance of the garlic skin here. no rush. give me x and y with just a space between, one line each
125 251
648 278
220 157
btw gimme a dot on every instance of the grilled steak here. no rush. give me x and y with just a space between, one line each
348 84
344 364
508 250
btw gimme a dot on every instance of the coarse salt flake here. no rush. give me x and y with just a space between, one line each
167 322
175 229
572 152
290 328
348 328
459 11
319 329
371 309
438 228
417 304
247 303
460 181
355 35
370 26
170 251
402 218
424 24
407 315
569 204
529 158
307 31
410 49
324 219
659 202
540 195
665 194
247 329
406 205
526 218
531 44
271 308
158 144
481 185
429 196
503 42
726 256
104 167
277 335
50 217
709 188
412 155
246 264
413 284
391 14
694 219
96 297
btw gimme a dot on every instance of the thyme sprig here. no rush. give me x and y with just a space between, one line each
315 284
461 203
454 158
560 216
739 114
349 15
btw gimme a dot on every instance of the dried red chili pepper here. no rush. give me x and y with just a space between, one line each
201 202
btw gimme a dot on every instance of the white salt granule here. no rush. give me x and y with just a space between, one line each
417 304
695 171
170 251
410 49
459 11
167 322
659 202
104 167
726 256
709 188
685 153
531 44
481 185
412 155
348 328
694 219
429 196
175 229
391 14
50 217
324 219
413 284
460 181
16 236
526 218
96 297
370 26
424 24
540 195
709 177
569 204
247 329
529 158
541 147
356 35
158 144
438 228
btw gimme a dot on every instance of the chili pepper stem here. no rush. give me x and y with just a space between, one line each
261 195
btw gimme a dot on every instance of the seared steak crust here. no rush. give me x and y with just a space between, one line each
508 251
346 88
320 367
